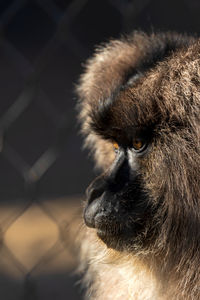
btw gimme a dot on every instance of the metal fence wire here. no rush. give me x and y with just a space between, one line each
42 169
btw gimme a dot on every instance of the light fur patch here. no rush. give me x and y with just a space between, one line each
115 275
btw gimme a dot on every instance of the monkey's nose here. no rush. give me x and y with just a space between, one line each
99 210
119 173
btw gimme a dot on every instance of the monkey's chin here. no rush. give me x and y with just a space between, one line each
119 241
111 241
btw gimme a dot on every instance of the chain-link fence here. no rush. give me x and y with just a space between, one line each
42 167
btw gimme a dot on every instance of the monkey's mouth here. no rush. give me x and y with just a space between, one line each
119 222
104 216
110 219
119 239
116 232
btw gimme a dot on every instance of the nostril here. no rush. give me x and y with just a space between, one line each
95 189
90 212
93 194
87 192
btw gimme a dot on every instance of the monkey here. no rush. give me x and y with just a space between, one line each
139 108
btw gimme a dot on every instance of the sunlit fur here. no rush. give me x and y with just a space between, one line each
166 98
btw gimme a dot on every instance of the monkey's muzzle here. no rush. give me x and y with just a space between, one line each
107 216
101 212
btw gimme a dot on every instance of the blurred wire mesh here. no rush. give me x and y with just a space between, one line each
42 168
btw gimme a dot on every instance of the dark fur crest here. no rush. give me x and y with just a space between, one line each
151 84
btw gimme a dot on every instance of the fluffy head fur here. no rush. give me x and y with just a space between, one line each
150 82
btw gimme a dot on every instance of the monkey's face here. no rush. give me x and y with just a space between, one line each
144 131
117 204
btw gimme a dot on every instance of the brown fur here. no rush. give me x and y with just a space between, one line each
167 98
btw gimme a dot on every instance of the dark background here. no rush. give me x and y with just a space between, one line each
43 44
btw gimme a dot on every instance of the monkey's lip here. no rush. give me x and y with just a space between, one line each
119 231
117 241
106 233
107 222
113 229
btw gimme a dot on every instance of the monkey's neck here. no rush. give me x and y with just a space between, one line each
119 276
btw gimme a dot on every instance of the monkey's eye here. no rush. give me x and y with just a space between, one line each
138 145
115 146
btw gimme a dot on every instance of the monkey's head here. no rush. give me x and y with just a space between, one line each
140 112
